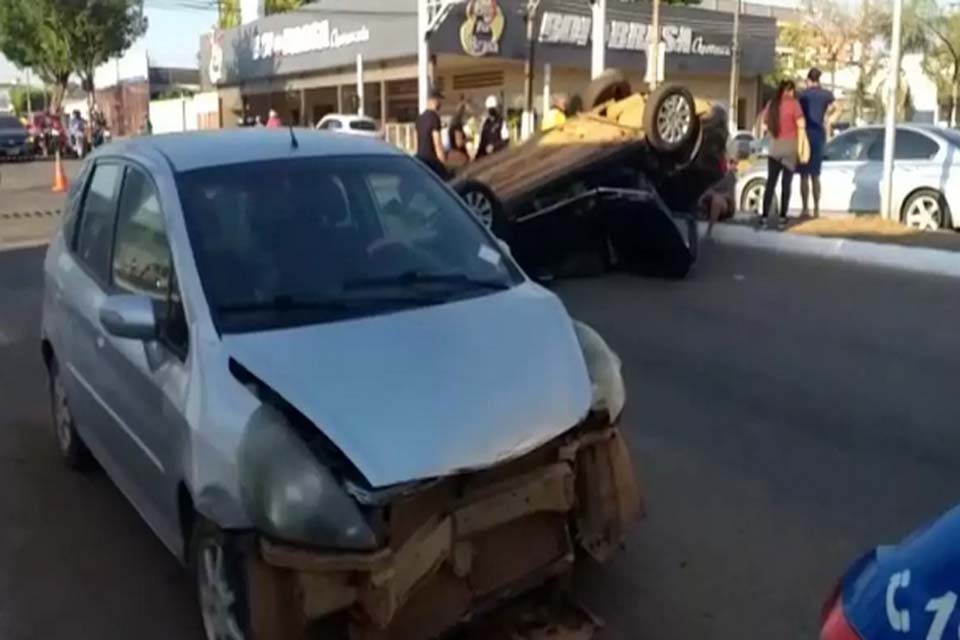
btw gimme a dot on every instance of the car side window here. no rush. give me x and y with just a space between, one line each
71 209
95 235
331 124
142 262
849 146
914 146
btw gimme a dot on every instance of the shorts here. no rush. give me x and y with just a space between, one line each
812 167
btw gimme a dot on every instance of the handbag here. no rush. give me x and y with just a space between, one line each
803 146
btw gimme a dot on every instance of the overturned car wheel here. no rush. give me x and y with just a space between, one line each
486 206
670 119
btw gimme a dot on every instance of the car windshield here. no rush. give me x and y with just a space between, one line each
10 122
292 242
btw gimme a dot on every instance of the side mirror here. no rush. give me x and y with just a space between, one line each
129 316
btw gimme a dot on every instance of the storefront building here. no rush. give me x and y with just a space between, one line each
303 63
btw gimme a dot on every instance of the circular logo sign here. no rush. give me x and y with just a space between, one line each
481 31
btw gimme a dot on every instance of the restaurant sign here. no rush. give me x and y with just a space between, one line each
306 38
568 28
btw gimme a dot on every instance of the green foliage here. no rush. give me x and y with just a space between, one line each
230 10
18 96
100 30
927 28
31 36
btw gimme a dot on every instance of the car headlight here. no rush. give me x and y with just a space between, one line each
289 494
603 367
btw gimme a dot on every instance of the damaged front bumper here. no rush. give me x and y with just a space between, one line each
460 546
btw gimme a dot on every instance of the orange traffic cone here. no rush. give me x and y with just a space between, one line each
59 176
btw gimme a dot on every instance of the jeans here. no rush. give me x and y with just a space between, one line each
775 169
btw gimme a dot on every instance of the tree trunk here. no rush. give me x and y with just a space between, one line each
953 92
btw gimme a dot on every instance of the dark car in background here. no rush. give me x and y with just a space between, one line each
14 138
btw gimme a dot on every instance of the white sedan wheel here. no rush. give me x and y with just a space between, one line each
925 213
217 597
752 199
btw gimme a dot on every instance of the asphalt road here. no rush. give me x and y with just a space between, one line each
785 412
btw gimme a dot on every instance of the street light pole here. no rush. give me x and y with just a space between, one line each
654 57
527 123
423 55
598 37
889 134
735 67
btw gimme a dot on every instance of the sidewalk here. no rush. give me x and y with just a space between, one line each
862 239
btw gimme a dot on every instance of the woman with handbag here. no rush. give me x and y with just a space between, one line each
783 118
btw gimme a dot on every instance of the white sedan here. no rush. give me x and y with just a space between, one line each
926 176
347 123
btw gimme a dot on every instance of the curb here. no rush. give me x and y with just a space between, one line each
25 215
916 259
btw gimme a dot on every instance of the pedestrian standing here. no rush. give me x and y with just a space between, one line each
557 114
783 118
818 106
430 149
273 120
458 155
493 132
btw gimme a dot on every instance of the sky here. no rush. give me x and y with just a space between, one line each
172 38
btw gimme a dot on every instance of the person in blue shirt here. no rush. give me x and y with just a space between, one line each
817 104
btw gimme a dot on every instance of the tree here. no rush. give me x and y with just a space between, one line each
31 36
230 10
928 29
98 31
37 101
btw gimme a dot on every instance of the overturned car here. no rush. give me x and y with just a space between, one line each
331 391
616 186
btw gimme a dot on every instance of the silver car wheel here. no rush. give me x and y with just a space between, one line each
924 213
752 200
63 419
674 120
481 206
217 597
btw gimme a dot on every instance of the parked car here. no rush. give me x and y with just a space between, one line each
326 385
903 592
744 144
926 181
14 138
352 124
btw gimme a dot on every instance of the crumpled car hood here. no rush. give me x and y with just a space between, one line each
431 391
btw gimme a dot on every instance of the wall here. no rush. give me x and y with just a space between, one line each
185 114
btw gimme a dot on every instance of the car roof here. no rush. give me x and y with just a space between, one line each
347 116
199 149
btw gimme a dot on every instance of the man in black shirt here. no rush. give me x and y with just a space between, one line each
429 145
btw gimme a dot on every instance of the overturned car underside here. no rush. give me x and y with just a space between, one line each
459 547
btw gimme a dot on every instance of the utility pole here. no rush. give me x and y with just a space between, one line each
654 57
423 54
360 97
735 68
527 124
889 134
598 37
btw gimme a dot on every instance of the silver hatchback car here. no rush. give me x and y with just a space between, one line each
325 385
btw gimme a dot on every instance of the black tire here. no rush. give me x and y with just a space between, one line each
218 563
71 446
670 119
486 205
940 219
612 84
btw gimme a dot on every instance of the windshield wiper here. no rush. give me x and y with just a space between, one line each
287 303
335 305
421 277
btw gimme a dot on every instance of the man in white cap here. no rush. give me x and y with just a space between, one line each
493 132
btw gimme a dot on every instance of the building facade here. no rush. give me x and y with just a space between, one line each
304 63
